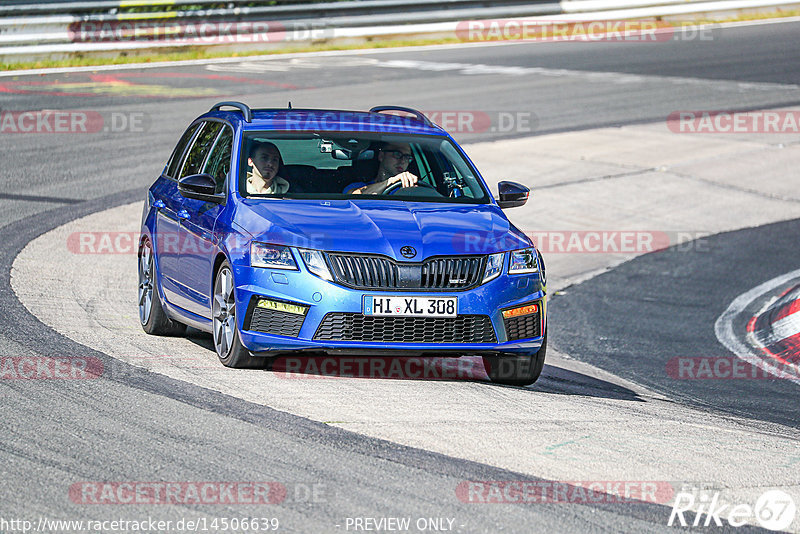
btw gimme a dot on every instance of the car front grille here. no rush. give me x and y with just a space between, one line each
523 327
276 322
451 273
379 272
367 328
372 272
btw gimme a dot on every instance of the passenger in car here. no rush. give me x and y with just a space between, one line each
393 161
265 160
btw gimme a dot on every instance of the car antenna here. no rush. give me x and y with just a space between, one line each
290 104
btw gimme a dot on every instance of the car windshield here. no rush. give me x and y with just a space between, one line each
357 165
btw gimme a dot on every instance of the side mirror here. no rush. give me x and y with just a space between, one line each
512 195
200 187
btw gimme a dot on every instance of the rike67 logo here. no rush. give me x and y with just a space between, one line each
773 510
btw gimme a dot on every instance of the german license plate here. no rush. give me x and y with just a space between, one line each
402 306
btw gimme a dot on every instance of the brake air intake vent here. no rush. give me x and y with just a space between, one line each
276 322
524 327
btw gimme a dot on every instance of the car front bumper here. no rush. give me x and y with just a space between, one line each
479 328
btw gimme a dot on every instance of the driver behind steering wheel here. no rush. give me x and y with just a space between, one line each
393 159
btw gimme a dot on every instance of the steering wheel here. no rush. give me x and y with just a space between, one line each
392 189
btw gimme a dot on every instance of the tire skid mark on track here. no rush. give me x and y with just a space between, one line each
631 438
544 425
31 331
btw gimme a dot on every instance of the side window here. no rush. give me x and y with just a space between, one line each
180 148
202 144
219 161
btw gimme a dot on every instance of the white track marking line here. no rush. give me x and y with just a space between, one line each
723 327
473 69
278 56
605 76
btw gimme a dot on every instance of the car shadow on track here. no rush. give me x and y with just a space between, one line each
554 379
200 338
564 382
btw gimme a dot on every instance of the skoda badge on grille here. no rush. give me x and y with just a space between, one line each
408 252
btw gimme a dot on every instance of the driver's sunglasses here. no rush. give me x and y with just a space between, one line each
396 154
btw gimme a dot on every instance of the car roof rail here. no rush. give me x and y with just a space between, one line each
247 113
418 114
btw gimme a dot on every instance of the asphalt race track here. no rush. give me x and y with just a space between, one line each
676 300
585 125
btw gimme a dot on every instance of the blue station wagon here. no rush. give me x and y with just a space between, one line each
306 231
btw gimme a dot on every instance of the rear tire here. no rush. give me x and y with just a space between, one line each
227 342
516 370
152 317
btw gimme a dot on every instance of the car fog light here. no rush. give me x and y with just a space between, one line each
282 306
528 309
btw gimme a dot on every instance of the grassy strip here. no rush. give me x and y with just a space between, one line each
201 53
209 53
168 6
744 17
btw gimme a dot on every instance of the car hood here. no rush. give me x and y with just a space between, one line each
381 227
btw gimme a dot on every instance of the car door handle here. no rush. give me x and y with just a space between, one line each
159 204
183 214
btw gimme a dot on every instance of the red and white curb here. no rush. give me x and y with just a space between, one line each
775 330
772 340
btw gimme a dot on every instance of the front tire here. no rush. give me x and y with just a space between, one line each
516 370
152 317
227 342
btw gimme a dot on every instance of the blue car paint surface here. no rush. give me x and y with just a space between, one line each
192 237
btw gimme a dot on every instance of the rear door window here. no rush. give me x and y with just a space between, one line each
199 151
177 155
219 160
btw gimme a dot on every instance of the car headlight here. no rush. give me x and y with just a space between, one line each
271 256
523 261
315 263
494 266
